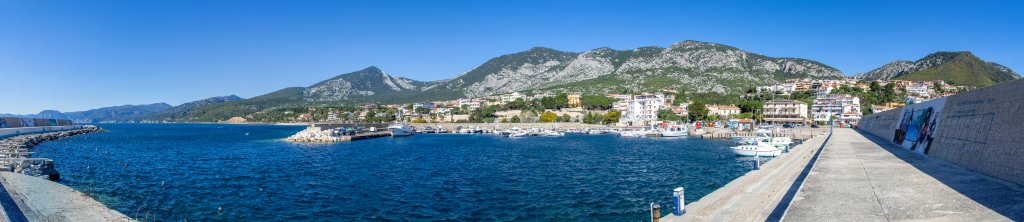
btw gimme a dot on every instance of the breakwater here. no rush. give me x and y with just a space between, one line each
979 130
315 134
15 151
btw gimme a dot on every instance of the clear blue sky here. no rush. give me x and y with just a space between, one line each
78 55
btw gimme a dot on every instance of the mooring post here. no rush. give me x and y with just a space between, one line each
680 202
655 212
757 162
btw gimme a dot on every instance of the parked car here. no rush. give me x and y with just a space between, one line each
787 126
814 126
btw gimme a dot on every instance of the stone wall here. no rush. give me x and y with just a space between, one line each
981 130
881 124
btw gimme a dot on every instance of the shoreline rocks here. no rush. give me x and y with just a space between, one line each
15 152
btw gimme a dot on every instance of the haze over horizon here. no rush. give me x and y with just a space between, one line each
76 56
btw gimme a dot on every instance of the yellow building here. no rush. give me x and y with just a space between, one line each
574 100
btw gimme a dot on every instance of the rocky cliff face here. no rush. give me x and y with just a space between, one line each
700 66
690 65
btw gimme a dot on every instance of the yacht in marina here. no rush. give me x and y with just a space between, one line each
401 129
675 131
761 147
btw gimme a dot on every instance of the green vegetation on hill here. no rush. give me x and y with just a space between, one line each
963 69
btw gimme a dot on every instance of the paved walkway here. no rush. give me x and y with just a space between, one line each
857 179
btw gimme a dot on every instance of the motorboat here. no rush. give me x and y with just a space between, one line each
551 133
675 131
467 130
633 133
760 148
400 129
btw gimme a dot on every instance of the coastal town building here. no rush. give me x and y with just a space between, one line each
642 109
470 103
574 100
506 98
919 89
885 107
423 105
724 111
784 89
680 110
841 107
785 111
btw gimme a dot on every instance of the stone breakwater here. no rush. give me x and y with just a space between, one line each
314 135
15 152
318 135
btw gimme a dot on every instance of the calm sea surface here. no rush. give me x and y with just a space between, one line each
212 172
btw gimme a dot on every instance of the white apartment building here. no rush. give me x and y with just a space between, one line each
642 110
785 111
724 111
921 90
845 108
472 104
784 89
506 98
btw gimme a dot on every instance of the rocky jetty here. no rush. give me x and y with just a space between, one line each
15 152
314 135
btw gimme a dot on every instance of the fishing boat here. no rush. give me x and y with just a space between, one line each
400 129
760 148
675 131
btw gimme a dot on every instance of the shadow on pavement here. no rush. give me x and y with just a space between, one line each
1001 196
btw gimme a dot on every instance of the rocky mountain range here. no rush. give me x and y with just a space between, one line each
959 68
132 113
690 65
113 114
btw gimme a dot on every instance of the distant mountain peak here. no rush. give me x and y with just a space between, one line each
958 67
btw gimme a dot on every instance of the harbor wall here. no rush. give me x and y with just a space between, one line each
14 122
8 132
981 130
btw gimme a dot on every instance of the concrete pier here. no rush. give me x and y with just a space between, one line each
860 177
43 200
854 176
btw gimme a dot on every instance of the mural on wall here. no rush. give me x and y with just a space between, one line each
27 122
918 124
3 123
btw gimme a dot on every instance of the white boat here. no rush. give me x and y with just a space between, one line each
633 133
518 134
759 148
467 130
399 129
675 131
551 133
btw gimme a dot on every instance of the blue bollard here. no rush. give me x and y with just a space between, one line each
678 196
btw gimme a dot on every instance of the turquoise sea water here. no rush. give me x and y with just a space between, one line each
210 172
